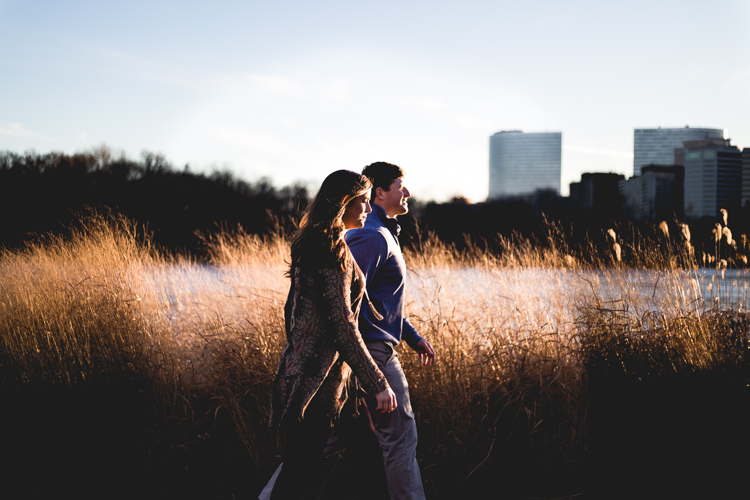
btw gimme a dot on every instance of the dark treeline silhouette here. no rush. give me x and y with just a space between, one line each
41 193
546 219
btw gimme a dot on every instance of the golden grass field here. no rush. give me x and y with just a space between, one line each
526 343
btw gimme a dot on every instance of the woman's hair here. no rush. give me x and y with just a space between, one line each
319 241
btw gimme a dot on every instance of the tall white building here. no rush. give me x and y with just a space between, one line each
656 146
521 163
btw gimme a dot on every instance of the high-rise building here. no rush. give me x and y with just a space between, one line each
713 177
521 163
597 193
655 194
745 176
656 146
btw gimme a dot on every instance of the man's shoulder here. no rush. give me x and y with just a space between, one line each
364 242
367 232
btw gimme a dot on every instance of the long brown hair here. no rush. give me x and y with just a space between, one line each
319 241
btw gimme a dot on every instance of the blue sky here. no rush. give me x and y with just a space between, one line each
293 90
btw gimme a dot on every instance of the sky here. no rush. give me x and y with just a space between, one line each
293 90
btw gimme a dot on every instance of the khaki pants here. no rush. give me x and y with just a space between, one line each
396 431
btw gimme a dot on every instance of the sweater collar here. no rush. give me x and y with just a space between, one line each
390 222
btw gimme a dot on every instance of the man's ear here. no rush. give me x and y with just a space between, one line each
379 193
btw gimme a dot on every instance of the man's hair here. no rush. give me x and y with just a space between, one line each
382 175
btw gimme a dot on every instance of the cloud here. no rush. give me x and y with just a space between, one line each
439 112
152 71
307 88
739 80
17 130
599 152
339 90
105 59
422 104
248 139
277 85
740 76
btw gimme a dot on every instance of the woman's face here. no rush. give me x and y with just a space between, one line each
356 211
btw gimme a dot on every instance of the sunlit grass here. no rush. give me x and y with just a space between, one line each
519 335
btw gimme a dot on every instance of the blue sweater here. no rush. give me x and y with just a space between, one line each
377 252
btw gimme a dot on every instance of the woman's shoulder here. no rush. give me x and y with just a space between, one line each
344 266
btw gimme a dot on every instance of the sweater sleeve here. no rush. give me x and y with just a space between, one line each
409 334
346 335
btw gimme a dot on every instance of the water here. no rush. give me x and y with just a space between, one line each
555 297
477 300
727 288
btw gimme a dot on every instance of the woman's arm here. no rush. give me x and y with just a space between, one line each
348 341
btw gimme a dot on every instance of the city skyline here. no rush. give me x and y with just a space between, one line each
294 91
659 146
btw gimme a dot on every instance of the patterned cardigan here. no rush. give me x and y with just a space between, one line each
323 342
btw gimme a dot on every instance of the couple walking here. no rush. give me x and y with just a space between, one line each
346 252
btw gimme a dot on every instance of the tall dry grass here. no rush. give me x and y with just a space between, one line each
525 339
70 314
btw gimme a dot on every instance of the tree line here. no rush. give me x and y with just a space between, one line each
43 193
47 193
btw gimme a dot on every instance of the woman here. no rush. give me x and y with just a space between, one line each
323 341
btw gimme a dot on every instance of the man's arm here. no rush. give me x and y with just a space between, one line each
409 334
422 347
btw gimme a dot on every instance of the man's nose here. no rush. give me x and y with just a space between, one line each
407 193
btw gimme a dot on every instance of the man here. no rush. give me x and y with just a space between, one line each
376 250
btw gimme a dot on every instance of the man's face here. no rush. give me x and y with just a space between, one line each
394 201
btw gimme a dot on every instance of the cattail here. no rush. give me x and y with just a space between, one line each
570 261
618 251
664 228
685 231
611 234
727 233
724 216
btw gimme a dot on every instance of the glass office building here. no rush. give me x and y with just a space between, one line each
713 177
522 163
745 175
656 146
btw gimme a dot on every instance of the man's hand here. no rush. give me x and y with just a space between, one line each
425 352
